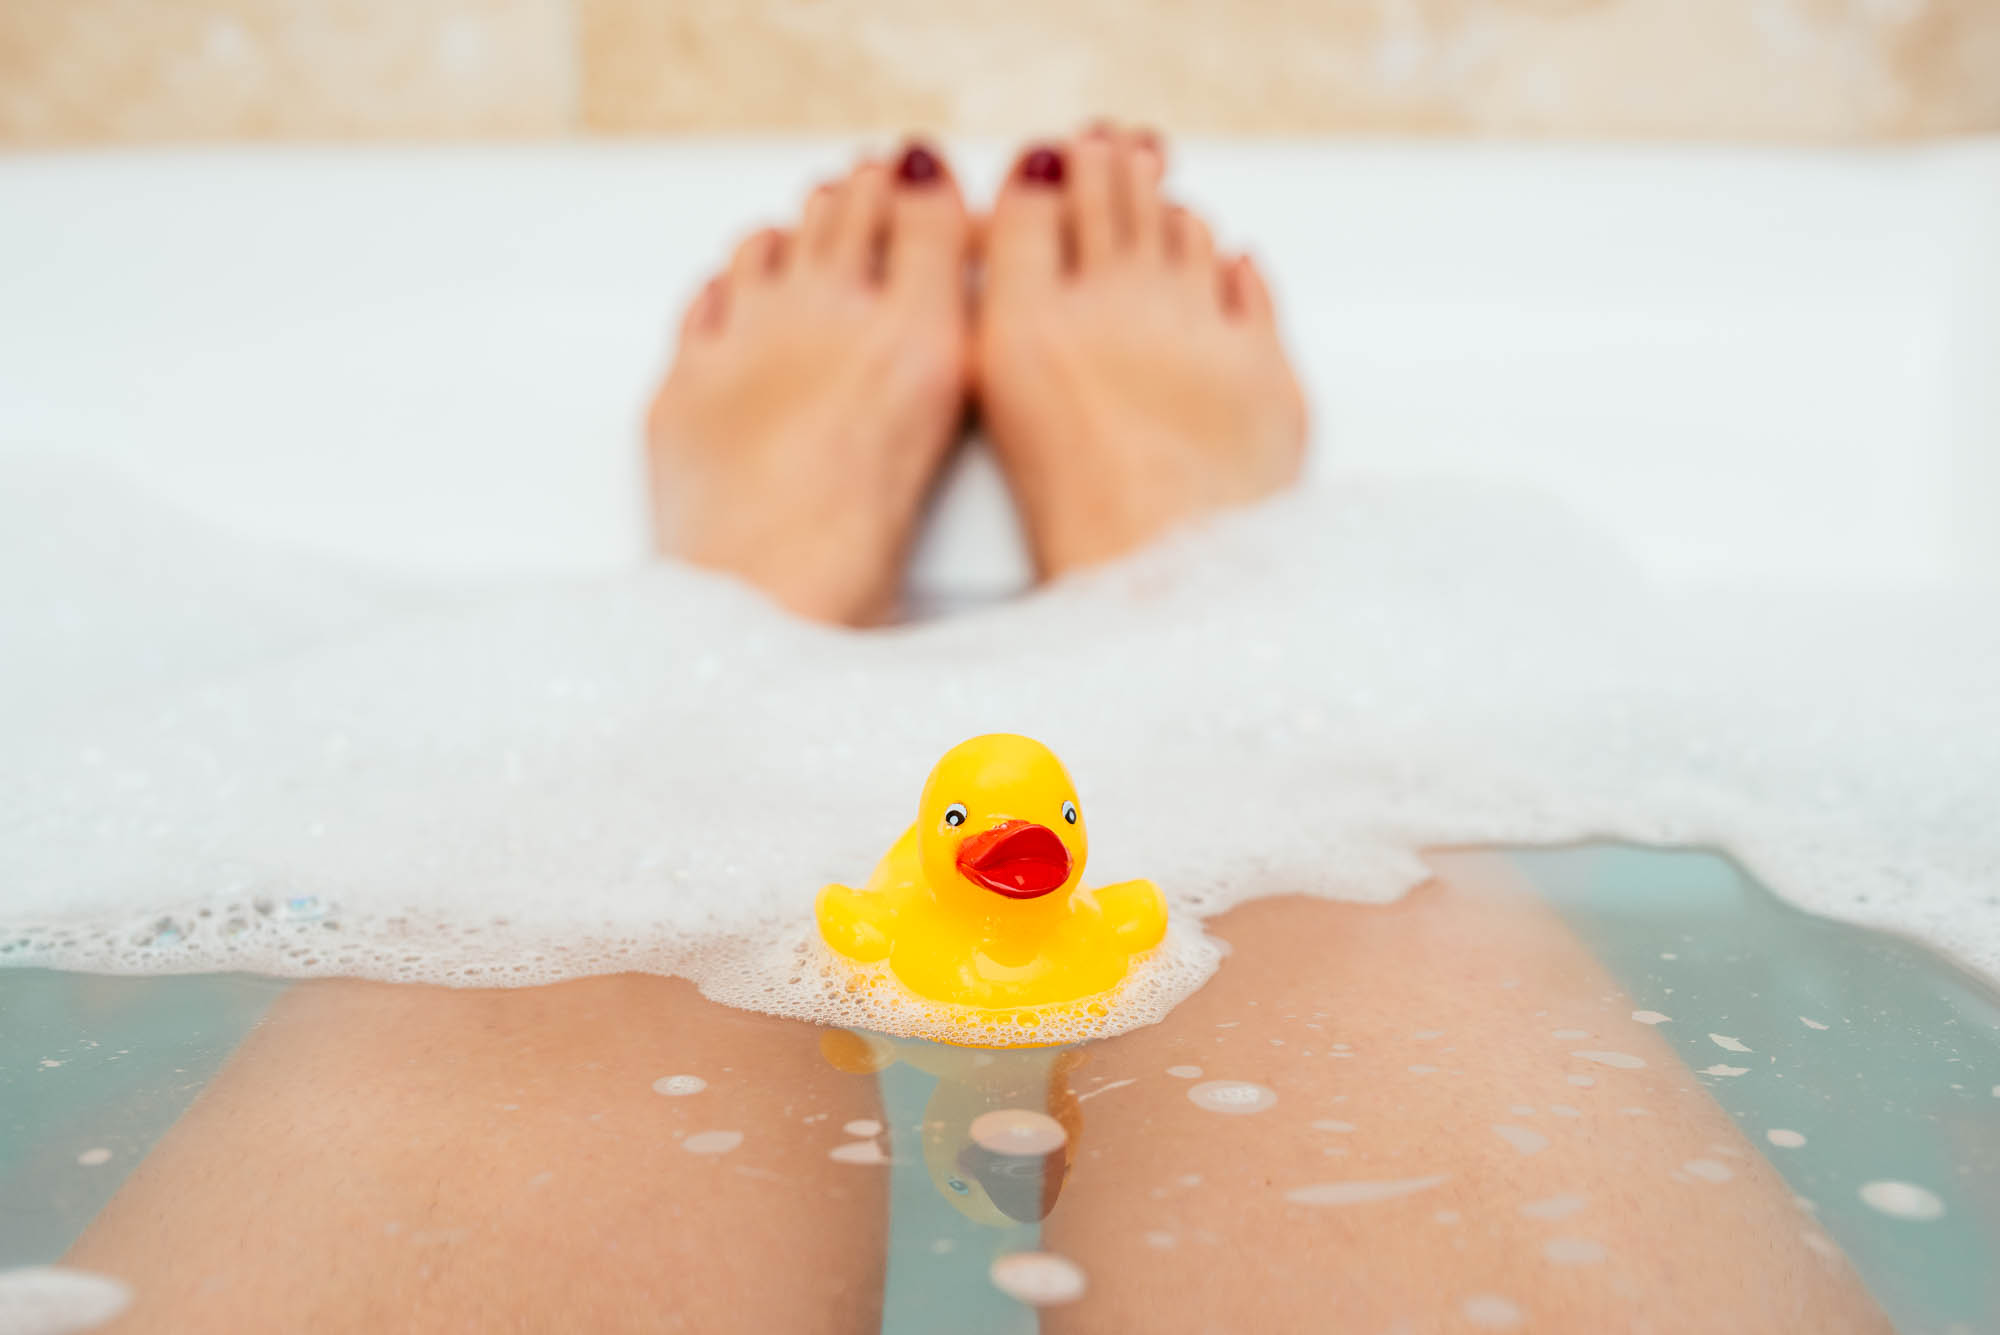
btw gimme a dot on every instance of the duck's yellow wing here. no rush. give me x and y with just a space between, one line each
860 924
1134 911
854 922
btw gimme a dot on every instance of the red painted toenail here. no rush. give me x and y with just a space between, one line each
919 166
1043 166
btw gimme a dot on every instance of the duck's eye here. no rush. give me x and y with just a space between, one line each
1069 812
954 815
957 1185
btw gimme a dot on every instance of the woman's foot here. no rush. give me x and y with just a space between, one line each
818 384
1129 378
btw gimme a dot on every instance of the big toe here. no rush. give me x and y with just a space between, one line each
1024 239
927 227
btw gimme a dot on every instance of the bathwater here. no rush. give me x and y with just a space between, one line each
1851 1057
1864 1066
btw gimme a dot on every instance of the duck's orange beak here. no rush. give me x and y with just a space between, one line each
1016 858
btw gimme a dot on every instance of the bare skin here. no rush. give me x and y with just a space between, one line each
818 385
1447 1004
381 1157
421 1159
1131 379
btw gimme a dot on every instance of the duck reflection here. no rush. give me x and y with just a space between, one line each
1001 1128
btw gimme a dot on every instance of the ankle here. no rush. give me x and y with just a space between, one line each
837 573
1093 521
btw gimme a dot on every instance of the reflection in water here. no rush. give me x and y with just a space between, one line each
1000 1130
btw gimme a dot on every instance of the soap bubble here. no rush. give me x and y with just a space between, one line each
1903 1200
295 908
1039 1279
162 932
1018 1132
1489 1311
1232 1096
679 1085
59 1300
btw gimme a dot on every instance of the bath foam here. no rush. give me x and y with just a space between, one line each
56 1300
658 770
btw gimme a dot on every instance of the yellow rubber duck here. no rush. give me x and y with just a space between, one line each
979 903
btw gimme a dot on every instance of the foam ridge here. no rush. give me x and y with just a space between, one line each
228 760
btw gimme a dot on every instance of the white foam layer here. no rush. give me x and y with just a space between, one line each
657 771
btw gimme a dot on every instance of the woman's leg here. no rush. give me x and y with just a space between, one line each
401 1158
382 1157
1437 1156
1440 1157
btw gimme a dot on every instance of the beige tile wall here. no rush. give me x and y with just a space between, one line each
84 71
87 71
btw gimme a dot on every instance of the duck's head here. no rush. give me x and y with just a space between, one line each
999 821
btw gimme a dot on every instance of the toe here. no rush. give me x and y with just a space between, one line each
704 315
862 220
757 258
1154 144
820 222
927 226
753 272
1191 250
1093 198
1244 291
1142 211
1024 238
1189 242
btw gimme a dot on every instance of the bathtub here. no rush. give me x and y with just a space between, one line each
1756 367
